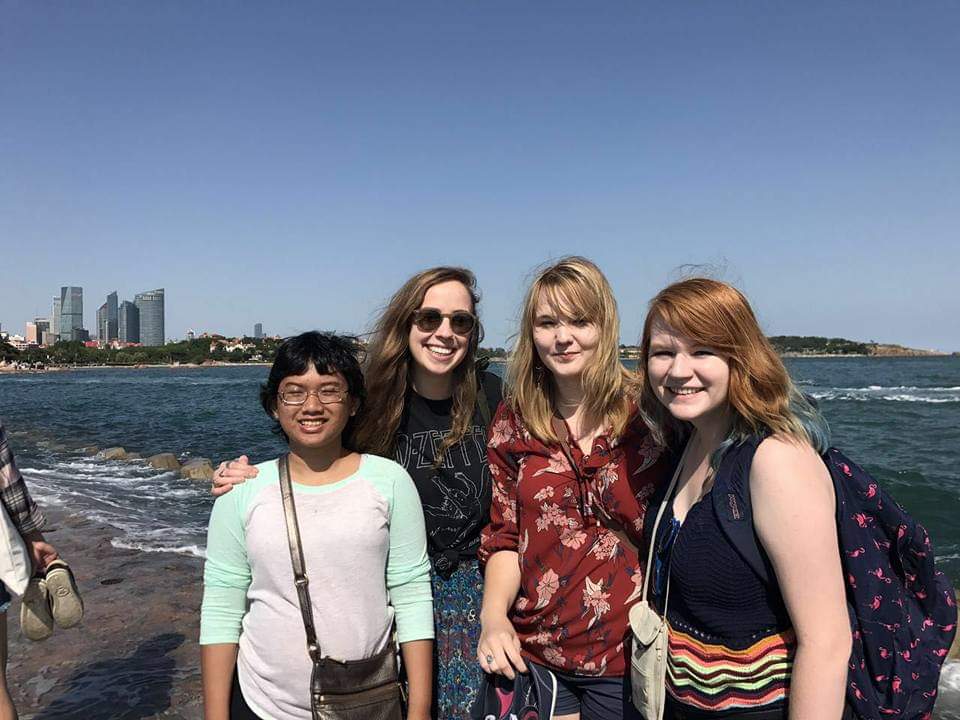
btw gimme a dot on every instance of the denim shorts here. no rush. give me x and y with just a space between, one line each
595 698
4 598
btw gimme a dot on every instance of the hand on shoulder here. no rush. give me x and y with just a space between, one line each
230 473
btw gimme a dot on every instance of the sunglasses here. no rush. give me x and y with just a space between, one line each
429 319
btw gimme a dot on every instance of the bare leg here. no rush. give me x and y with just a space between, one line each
7 710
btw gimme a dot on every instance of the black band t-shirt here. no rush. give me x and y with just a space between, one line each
455 494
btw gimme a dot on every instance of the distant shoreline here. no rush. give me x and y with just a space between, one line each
10 370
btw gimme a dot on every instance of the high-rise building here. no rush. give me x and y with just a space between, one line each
43 330
31 335
111 316
128 318
150 305
55 324
71 313
103 333
258 330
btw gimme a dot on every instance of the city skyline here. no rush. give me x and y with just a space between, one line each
295 166
112 321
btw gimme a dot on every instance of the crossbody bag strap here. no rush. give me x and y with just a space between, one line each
656 523
296 558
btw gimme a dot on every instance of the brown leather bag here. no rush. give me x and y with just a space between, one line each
366 689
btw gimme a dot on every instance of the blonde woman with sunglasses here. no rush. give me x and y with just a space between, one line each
427 408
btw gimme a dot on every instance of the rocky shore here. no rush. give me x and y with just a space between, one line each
134 656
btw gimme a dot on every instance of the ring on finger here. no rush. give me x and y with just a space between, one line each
489 659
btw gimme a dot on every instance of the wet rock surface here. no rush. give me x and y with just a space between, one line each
164 461
197 469
134 655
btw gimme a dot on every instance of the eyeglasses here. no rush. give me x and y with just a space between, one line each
429 319
327 396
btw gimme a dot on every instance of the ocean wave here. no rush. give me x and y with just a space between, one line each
191 550
867 395
948 700
877 388
176 380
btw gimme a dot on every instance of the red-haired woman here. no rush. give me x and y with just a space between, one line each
738 647
427 404
559 584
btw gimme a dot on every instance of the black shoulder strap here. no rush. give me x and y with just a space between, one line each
731 502
483 403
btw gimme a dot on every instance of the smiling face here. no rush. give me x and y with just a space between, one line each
690 379
439 351
565 342
314 424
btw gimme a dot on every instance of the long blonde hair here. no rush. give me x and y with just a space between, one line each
388 366
761 394
572 285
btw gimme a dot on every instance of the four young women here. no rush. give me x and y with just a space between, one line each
574 464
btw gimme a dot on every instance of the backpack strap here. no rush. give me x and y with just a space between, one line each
731 503
483 402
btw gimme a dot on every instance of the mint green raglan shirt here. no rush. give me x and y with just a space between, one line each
365 552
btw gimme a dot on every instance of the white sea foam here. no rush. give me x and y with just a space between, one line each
192 550
150 510
948 695
931 389
873 394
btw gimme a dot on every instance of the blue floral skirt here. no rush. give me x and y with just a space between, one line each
456 614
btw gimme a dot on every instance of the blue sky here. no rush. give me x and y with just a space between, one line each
292 163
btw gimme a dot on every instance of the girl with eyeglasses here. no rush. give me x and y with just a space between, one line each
567 442
363 547
428 407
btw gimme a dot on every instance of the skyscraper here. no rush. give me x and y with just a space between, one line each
111 316
258 330
129 323
103 332
71 313
43 330
150 305
55 324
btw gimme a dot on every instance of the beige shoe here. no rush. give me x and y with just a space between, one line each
66 606
36 622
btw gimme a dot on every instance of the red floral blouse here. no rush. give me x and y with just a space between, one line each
578 580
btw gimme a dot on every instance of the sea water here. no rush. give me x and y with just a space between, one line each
898 417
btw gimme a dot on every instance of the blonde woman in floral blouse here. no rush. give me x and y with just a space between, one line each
566 445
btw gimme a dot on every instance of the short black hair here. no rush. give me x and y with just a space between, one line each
328 353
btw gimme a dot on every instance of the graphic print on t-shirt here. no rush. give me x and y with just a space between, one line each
456 493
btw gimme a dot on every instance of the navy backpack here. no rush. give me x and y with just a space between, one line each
903 611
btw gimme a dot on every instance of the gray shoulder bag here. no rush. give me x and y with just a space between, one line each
352 690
